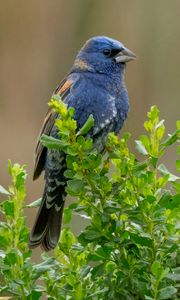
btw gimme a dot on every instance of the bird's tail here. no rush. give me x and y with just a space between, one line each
47 227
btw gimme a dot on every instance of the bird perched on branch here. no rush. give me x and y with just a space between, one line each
95 85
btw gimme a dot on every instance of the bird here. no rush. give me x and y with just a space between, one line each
94 86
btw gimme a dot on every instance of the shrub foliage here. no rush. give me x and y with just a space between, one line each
130 246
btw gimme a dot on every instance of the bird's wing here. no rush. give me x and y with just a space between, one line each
40 153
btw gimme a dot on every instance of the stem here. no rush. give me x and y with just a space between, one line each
95 189
23 293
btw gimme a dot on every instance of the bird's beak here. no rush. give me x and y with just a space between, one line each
124 56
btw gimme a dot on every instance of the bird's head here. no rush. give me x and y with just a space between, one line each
103 55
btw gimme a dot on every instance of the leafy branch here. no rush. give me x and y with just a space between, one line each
129 247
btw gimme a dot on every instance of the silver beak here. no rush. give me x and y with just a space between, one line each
124 56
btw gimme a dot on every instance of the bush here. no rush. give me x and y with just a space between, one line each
129 248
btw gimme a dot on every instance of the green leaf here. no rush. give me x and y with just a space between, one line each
164 171
102 291
9 208
88 144
87 126
67 237
140 166
20 179
156 266
35 295
73 205
154 161
85 217
175 201
178 165
153 114
178 124
148 126
85 271
145 141
3 240
140 147
53 143
71 112
71 150
175 274
35 203
69 173
171 139
97 270
95 160
11 258
158 270
56 97
165 200
101 253
91 234
151 198
160 131
4 191
160 124
10 171
110 266
58 106
167 292
141 240
75 186
176 185
67 215
43 267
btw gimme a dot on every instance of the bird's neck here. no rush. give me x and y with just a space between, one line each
110 69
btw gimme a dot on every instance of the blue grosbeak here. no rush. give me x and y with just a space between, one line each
95 85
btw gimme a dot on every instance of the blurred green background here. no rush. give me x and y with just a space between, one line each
38 43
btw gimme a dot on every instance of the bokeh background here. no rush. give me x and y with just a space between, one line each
38 42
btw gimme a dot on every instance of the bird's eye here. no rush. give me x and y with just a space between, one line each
107 52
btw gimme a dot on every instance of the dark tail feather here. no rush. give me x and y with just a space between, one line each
47 227
51 237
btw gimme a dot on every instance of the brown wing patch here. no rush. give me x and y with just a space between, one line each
40 152
62 89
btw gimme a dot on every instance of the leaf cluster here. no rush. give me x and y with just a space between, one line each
129 248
